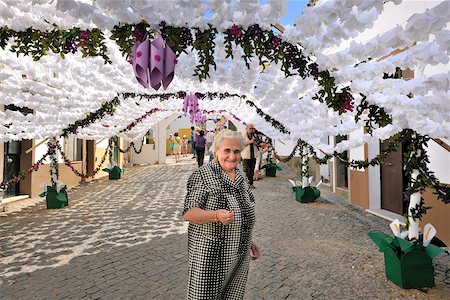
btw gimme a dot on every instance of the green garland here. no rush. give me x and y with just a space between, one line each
37 43
263 44
129 147
107 108
254 41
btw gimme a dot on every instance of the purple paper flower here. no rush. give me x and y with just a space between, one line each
236 31
70 45
276 42
186 35
348 104
405 197
84 34
138 34
256 30
314 70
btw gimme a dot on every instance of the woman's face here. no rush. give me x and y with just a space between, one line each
229 154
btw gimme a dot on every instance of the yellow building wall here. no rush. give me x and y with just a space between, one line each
99 152
438 216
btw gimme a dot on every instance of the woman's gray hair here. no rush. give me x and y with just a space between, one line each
226 134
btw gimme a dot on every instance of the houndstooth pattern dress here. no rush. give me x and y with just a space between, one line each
219 255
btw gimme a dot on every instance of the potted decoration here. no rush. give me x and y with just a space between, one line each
55 195
408 256
271 169
408 263
305 194
270 166
114 172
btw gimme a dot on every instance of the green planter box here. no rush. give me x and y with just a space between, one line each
412 270
271 172
407 264
56 200
115 173
306 195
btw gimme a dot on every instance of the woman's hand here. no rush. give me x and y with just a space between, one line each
226 217
256 251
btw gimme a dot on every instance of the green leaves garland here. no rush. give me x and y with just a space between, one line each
375 115
132 144
254 41
37 43
415 157
107 108
204 44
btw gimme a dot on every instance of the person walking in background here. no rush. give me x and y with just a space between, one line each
192 141
219 207
209 141
200 144
177 146
171 145
184 145
256 173
250 153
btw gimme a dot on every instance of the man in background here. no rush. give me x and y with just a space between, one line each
250 153
192 141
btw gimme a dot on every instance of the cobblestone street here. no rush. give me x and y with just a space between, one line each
126 239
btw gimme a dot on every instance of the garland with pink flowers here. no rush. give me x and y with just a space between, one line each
16 179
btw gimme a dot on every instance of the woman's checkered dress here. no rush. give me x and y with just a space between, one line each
219 255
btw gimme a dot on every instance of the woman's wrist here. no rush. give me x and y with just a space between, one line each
215 217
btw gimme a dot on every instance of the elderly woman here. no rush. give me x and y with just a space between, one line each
220 209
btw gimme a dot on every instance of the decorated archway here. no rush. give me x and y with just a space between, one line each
71 66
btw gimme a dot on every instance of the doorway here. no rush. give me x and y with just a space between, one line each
341 167
392 180
11 158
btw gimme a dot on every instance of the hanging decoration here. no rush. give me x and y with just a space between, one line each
190 106
153 63
199 117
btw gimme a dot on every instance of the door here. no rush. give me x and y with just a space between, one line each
392 181
11 167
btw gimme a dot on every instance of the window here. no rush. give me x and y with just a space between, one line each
73 148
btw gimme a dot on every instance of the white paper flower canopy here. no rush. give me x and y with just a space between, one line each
62 91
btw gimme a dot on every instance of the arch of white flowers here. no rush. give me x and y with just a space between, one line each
62 91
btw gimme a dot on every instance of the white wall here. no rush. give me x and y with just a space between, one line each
358 152
439 161
103 144
373 149
42 149
147 155
178 123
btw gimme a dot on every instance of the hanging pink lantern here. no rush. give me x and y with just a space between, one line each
153 63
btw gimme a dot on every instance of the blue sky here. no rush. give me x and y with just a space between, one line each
294 7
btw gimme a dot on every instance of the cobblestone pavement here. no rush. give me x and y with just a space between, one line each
126 240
